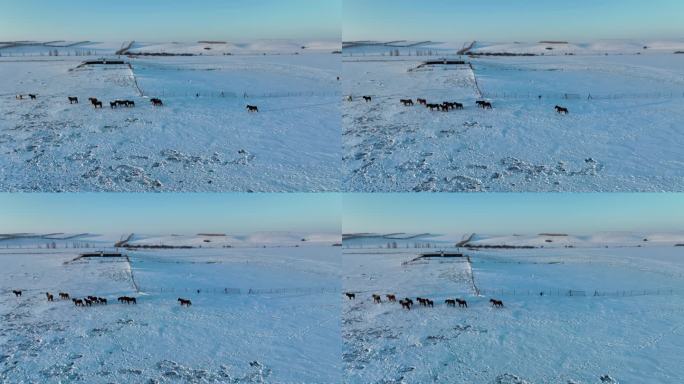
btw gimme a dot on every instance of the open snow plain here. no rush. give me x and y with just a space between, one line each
261 315
623 132
609 310
202 139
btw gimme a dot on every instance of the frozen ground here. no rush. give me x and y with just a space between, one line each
625 138
262 315
201 140
631 332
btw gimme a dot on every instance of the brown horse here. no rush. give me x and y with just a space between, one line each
496 303
252 108
422 101
185 302
97 104
49 296
391 298
377 299
406 303
429 303
462 303
432 107
102 300
450 302
561 110
156 102
350 295
457 105
73 100
78 302
367 99
486 105
88 302
406 102
17 293
64 296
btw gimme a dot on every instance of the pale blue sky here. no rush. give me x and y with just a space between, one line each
512 20
508 213
164 213
169 20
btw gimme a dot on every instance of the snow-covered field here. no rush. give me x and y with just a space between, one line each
626 137
607 310
267 314
203 139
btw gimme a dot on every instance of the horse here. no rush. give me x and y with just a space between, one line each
561 110
88 302
157 102
486 105
421 301
121 299
113 104
406 102
350 98
350 295
429 303
49 296
78 302
457 105
406 304
432 107
185 302
252 108
92 100
391 298
32 96
129 103
462 303
102 300
132 300
377 299
422 101
445 107
73 99
496 303
19 97
17 293
367 99
97 104
450 302
64 296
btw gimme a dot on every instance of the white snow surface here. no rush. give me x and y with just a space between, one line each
202 139
258 315
622 132
606 311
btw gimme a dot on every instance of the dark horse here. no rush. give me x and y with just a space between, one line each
350 295
406 303
32 96
185 302
156 102
377 299
49 296
391 298
406 102
432 107
97 104
64 296
462 303
484 104
17 293
496 303
367 99
562 110
422 101
252 108
73 100
78 302
450 302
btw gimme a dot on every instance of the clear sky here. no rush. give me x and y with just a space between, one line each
509 213
511 20
169 20
166 213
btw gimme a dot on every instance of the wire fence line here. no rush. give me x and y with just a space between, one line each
582 96
243 291
564 292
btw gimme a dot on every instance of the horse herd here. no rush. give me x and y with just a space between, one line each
446 106
407 303
89 301
120 103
